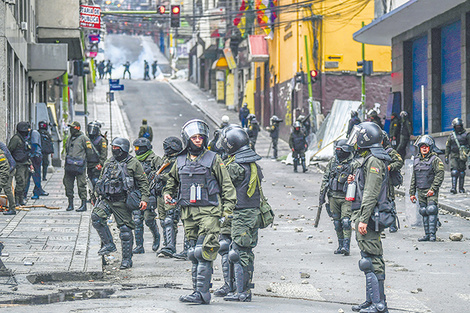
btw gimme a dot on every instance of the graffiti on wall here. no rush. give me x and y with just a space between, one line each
285 96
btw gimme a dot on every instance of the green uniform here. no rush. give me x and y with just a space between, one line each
122 214
151 161
245 222
162 207
453 151
438 170
394 130
78 147
99 156
146 129
18 143
5 180
370 244
204 220
340 208
396 165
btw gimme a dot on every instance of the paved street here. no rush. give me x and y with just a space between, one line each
421 277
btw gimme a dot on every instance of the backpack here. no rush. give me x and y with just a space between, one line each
146 134
46 144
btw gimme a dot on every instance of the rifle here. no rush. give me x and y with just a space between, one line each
320 204
91 191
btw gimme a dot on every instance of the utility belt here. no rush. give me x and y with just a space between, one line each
116 197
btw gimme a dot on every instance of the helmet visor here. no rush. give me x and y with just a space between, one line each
424 140
352 140
195 128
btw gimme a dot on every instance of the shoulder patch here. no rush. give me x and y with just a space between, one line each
104 145
222 164
374 170
2 159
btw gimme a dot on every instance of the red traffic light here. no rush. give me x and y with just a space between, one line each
175 9
161 9
313 73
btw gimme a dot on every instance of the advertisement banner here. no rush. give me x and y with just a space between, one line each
90 16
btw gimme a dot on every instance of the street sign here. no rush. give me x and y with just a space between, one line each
334 57
114 81
116 87
110 96
90 16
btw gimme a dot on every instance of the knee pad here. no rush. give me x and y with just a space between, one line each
432 209
338 225
137 217
96 220
168 221
234 256
346 223
454 173
150 223
198 253
125 233
423 211
191 256
224 246
462 174
365 265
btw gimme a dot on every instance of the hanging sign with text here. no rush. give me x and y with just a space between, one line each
90 16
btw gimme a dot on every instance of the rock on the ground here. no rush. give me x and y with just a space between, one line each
456 236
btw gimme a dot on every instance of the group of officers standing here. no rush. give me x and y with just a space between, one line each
218 201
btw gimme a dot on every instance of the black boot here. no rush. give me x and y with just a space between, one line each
304 167
203 283
82 207
138 232
10 212
242 282
461 182
183 255
152 225
169 237
295 165
225 289
340 246
454 174
345 249
432 227
426 229
107 244
70 207
127 243
373 287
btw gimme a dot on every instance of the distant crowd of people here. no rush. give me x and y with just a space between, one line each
105 69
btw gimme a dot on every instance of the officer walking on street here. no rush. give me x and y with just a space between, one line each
298 144
427 178
371 201
7 171
273 129
99 153
169 215
253 130
78 149
206 194
458 140
243 114
150 163
246 176
146 131
334 184
47 147
122 188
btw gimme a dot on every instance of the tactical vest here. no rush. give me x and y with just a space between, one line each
298 140
21 154
424 173
339 176
147 165
243 200
383 201
115 180
462 138
95 157
197 173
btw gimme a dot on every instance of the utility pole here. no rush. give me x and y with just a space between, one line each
363 83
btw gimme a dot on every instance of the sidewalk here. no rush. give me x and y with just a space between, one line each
214 111
52 244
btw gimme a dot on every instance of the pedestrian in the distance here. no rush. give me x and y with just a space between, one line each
127 65
273 129
146 70
36 160
457 143
243 114
154 69
394 133
47 146
298 145
253 130
406 130
145 130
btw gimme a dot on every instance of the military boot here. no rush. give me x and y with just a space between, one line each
183 255
373 287
169 238
127 243
152 225
426 229
10 211
70 207
139 240
203 284
454 184
432 227
107 244
295 165
345 248
304 167
340 246
461 182
225 289
242 282
82 207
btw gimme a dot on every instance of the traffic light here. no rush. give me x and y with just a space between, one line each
365 67
85 68
78 67
175 16
314 75
161 9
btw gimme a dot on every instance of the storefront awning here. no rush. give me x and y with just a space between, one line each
405 17
258 48
220 64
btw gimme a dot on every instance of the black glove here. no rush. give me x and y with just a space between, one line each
447 160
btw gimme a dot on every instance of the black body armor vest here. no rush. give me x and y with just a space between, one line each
116 179
243 201
339 176
424 173
462 138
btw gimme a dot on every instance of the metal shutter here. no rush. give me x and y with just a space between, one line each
451 85
420 77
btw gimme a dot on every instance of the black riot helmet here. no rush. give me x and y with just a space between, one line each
386 140
457 124
366 135
122 143
274 119
297 125
251 116
142 145
342 149
194 127
172 146
42 125
234 139
93 128
425 140
23 127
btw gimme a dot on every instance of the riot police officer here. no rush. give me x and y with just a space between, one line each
213 143
371 202
47 147
205 194
150 162
122 188
253 130
406 130
19 147
273 129
427 177
394 168
169 215
354 120
375 118
99 153
246 176
298 144
334 184
394 130
458 139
